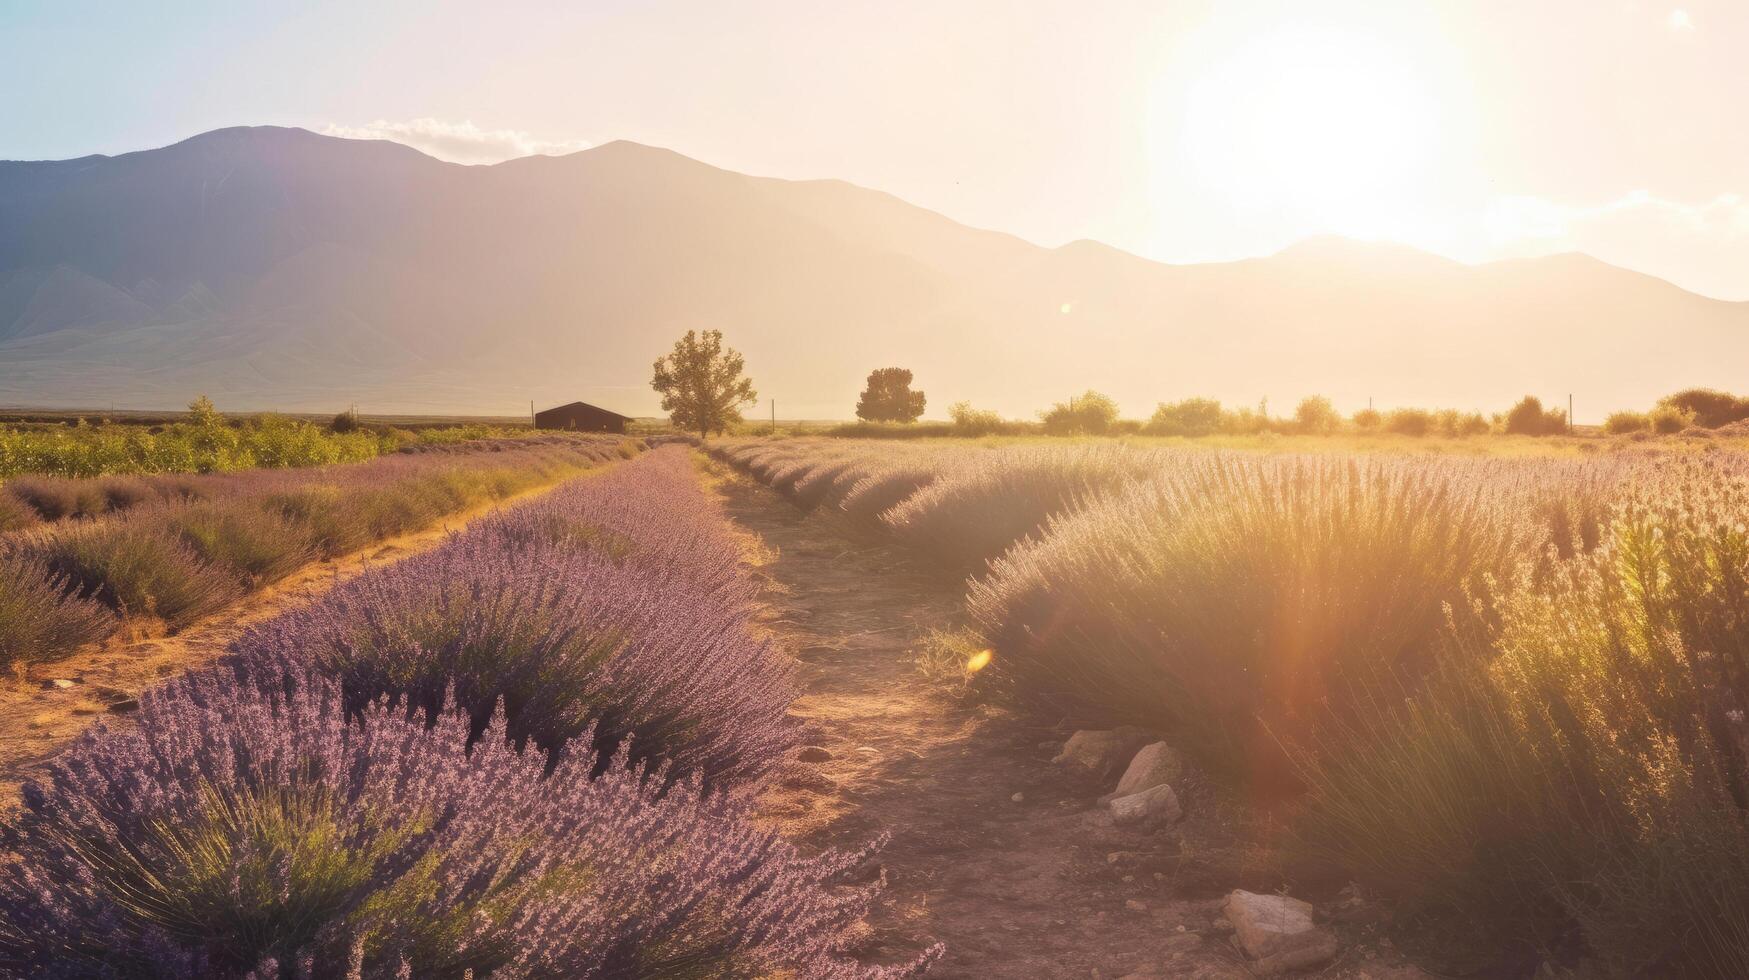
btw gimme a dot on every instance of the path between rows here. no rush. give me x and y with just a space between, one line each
1032 886
37 721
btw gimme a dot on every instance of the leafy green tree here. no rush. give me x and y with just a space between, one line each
1191 417
889 398
701 384
1529 418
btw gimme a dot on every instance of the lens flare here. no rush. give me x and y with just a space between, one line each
978 661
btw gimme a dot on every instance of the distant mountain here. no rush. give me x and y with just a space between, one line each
275 268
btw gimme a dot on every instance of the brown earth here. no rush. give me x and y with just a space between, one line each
39 717
995 852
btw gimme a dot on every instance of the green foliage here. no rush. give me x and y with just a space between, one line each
1707 407
1415 422
1620 423
1367 419
1529 418
1667 419
701 384
889 398
344 422
969 421
1191 417
1452 423
1091 413
1316 416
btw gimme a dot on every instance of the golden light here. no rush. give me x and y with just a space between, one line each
978 661
1338 128
1067 307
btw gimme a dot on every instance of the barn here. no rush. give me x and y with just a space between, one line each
581 417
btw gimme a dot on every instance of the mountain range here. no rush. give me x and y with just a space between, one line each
275 268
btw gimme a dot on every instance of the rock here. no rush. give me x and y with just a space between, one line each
1135 906
1317 952
1154 765
1149 808
1277 932
1179 942
58 684
1100 752
1018 798
813 753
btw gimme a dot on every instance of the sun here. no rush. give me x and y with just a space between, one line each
1334 127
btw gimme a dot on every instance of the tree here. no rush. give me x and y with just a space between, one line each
1091 412
1315 415
701 385
1191 417
889 398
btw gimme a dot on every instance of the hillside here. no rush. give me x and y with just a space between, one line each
275 268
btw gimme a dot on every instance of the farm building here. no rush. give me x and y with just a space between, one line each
581 418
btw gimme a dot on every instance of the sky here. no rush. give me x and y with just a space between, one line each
1192 131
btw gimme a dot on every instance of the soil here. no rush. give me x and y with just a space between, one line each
996 852
44 707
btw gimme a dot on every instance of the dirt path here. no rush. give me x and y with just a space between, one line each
995 852
38 717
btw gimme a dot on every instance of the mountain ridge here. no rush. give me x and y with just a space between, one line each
273 267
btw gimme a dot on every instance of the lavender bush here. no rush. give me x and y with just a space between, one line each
231 835
615 605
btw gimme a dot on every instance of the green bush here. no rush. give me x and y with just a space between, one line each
969 421
1192 417
1089 414
1529 418
1707 407
1367 419
1620 423
1669 419
1409 422
1316 416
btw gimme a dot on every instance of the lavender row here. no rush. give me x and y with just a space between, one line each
616 604
178 558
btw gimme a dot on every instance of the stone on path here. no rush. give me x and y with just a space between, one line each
814 753
1277 932
1155 765
1100 752
1150 808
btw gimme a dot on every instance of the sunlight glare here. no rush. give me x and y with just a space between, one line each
1334 126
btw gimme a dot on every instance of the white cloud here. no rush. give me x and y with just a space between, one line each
458 142
1680 21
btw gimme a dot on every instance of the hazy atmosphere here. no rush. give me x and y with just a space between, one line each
982 490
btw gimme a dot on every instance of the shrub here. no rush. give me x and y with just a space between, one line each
889 398
1707 407
1367 419
1454 424
1585 769
1409 422
1316 416
1620 423
346 421
1234 590
1192 417
1089 414
41 616
229 834
138 569
1529 418
969 421
1670 419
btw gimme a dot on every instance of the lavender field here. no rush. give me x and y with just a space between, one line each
530 752
1504 697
